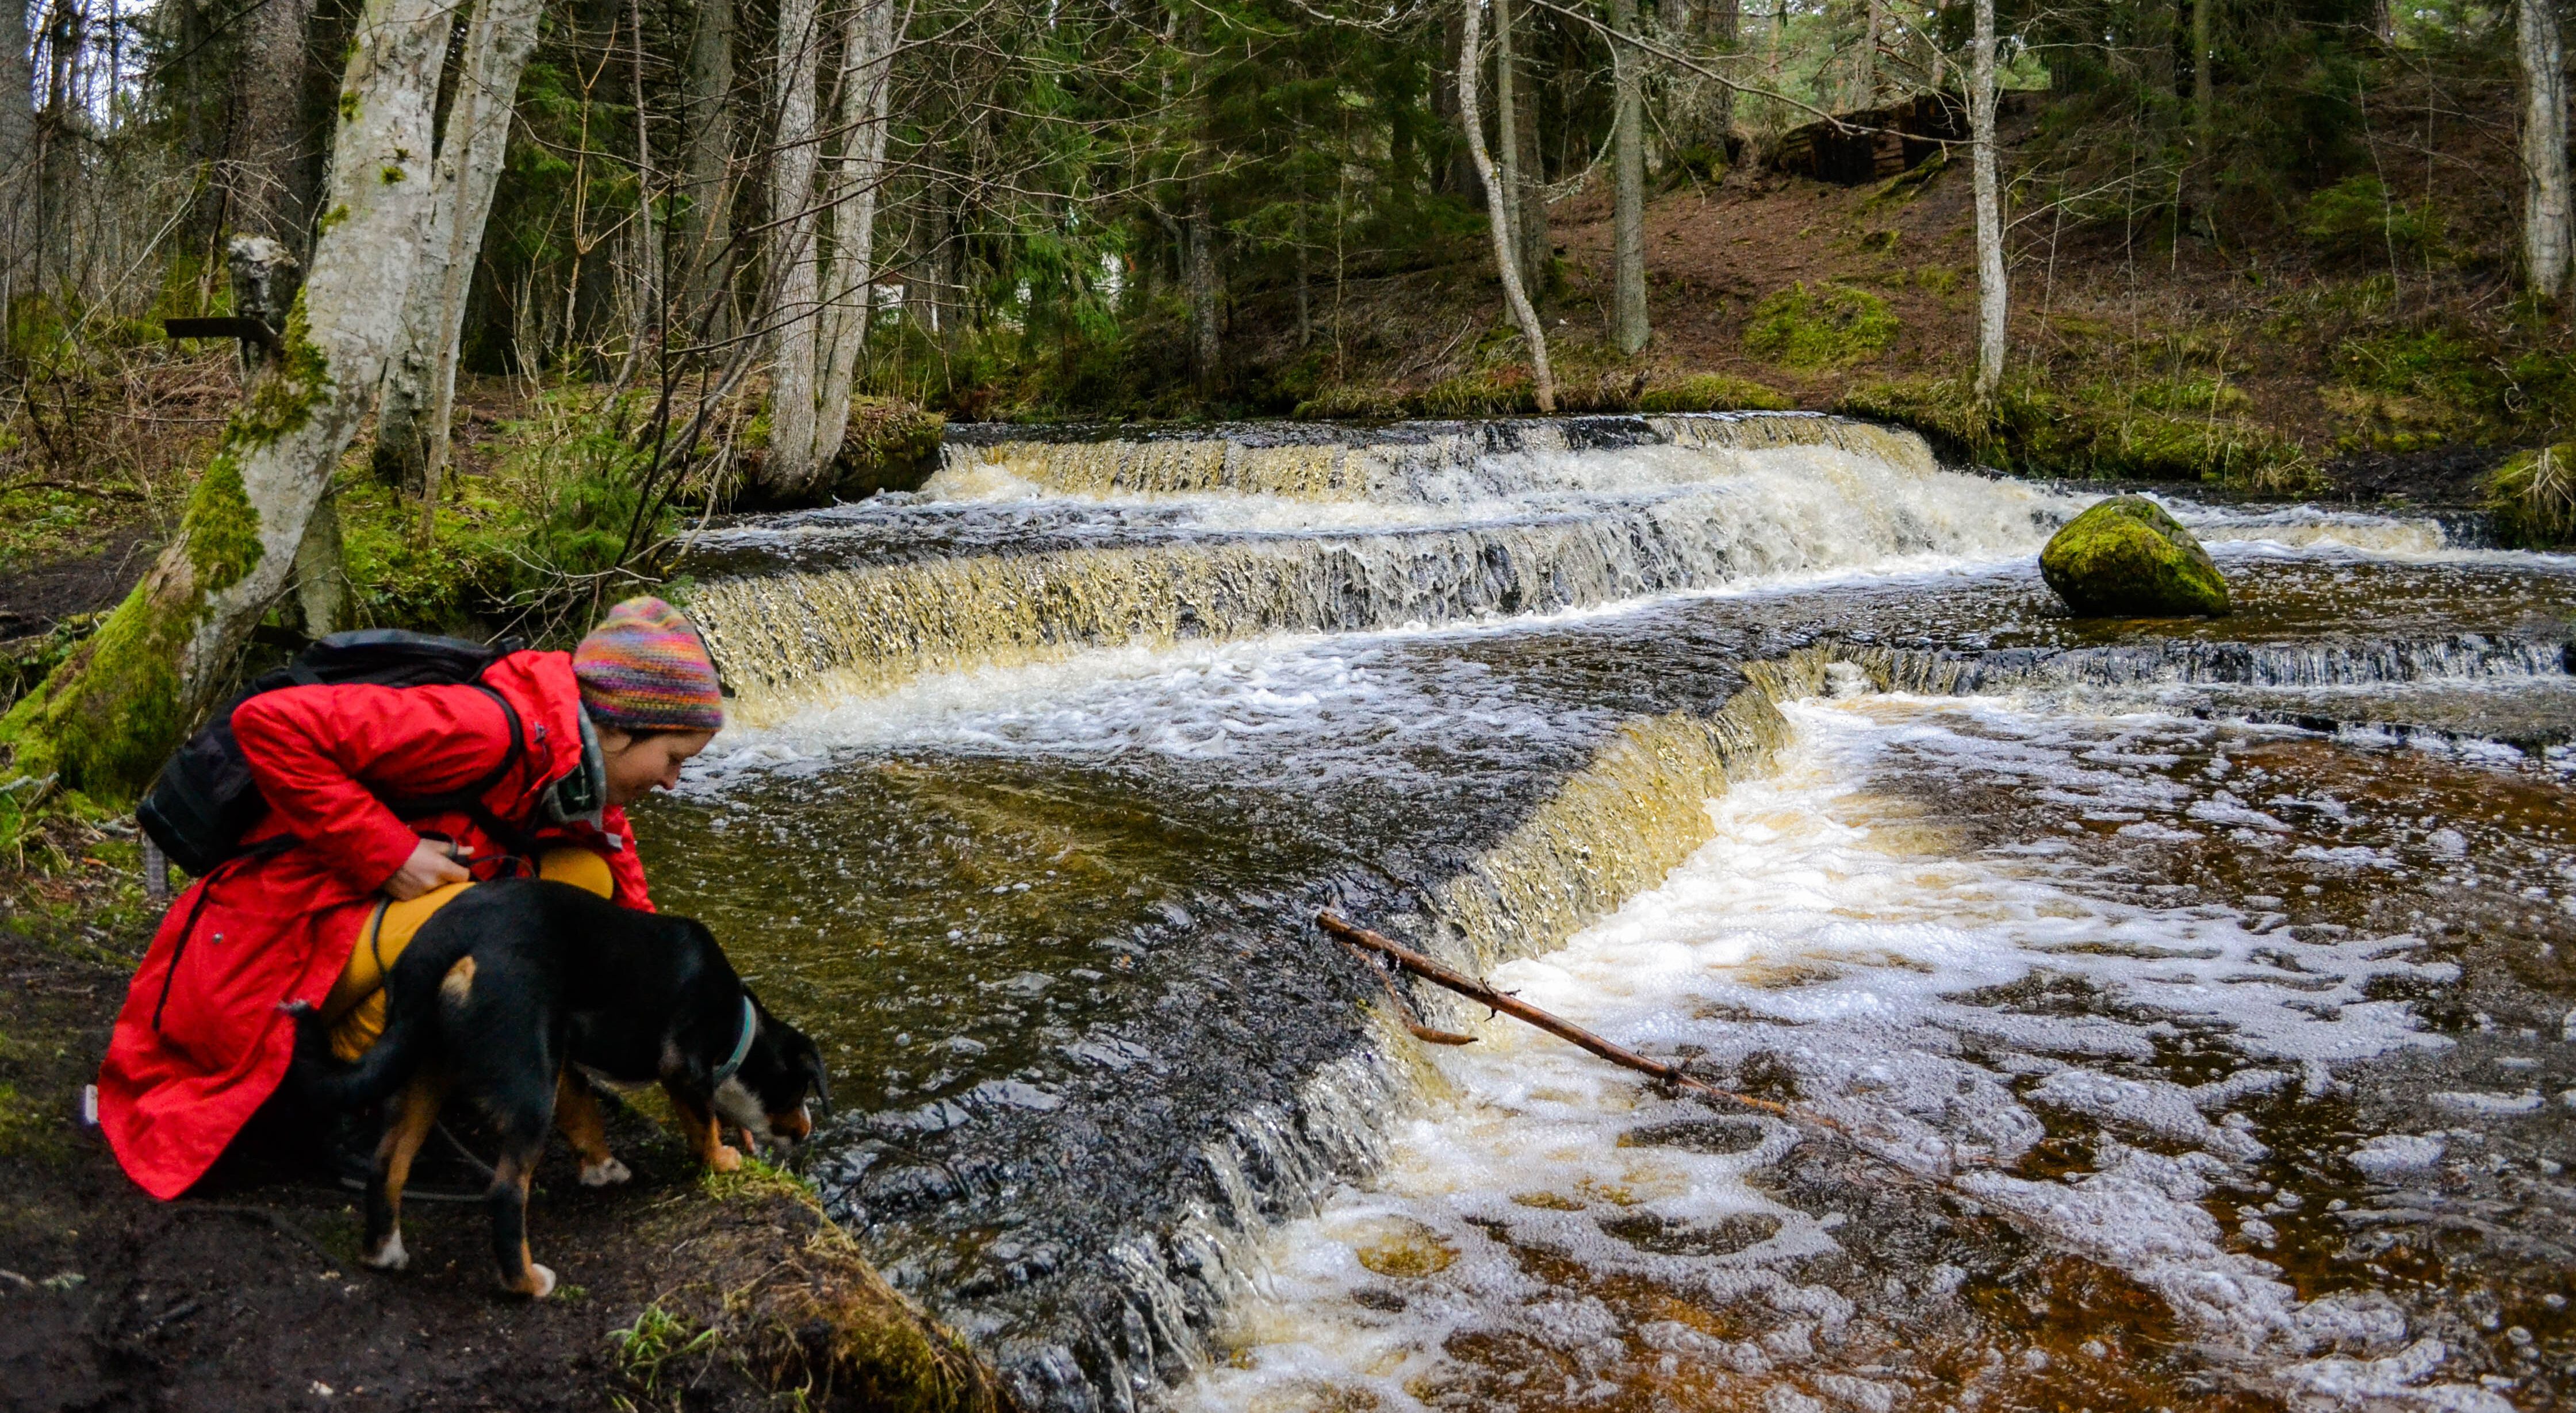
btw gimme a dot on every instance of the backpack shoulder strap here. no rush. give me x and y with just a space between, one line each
469 799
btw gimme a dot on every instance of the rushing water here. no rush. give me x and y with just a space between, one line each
2190 995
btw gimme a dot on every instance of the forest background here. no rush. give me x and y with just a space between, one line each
494 304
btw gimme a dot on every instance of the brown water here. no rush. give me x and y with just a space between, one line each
1111 1105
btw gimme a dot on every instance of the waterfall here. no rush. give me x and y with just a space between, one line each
1426 463
1554 520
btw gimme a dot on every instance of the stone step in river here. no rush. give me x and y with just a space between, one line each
1754 740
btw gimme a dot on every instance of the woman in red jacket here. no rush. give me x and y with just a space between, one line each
201 1042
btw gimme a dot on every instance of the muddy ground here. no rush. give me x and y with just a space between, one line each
679 1291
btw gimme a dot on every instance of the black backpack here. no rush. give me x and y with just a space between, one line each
205 799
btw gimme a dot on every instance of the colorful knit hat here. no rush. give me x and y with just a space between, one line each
644 669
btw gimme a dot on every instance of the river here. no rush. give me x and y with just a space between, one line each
2178 1012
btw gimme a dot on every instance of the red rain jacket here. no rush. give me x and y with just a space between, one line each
201 1043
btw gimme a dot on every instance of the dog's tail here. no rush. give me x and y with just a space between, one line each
410 1033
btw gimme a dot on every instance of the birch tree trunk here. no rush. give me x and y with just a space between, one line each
787 465
104 720
2545 234
1628 328
867 63
1515 295
824 304
468 171
1991 293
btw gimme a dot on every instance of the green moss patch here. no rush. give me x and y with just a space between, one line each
2101 431
1713 392
1356 401
1832 326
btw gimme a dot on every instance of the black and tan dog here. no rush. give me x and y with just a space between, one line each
511 988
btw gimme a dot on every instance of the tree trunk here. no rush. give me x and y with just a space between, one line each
1715 25
470 155
1507 128
1628 328
1991 293
823 308
2202 69
650 291
104 719
705 216
867 69
17 147
1531 193
1199 273
787 465
1457 175
2544 147
267 170
1515 295
322 572
1866 72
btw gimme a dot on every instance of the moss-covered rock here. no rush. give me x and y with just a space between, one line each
891 445
2127 558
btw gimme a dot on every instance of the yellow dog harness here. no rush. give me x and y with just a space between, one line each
355 1008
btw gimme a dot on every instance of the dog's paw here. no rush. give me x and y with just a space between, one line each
541 1282
390 1256
605 1172
725 1159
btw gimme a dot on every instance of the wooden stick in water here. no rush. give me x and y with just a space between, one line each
1482 994
1404 1009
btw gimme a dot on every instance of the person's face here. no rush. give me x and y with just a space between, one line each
638 765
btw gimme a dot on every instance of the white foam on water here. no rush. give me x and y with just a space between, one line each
1325 707
2310 527
1827 924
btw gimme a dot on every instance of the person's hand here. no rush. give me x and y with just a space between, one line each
431 865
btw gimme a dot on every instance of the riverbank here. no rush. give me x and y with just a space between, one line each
679 1288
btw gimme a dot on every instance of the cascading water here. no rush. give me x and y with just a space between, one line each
1748 739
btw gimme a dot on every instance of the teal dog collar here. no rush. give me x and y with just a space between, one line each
742 1047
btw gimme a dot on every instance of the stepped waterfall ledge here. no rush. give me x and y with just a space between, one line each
1067 546
1756 744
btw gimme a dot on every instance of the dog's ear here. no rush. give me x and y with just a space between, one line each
812 1057
804 1057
